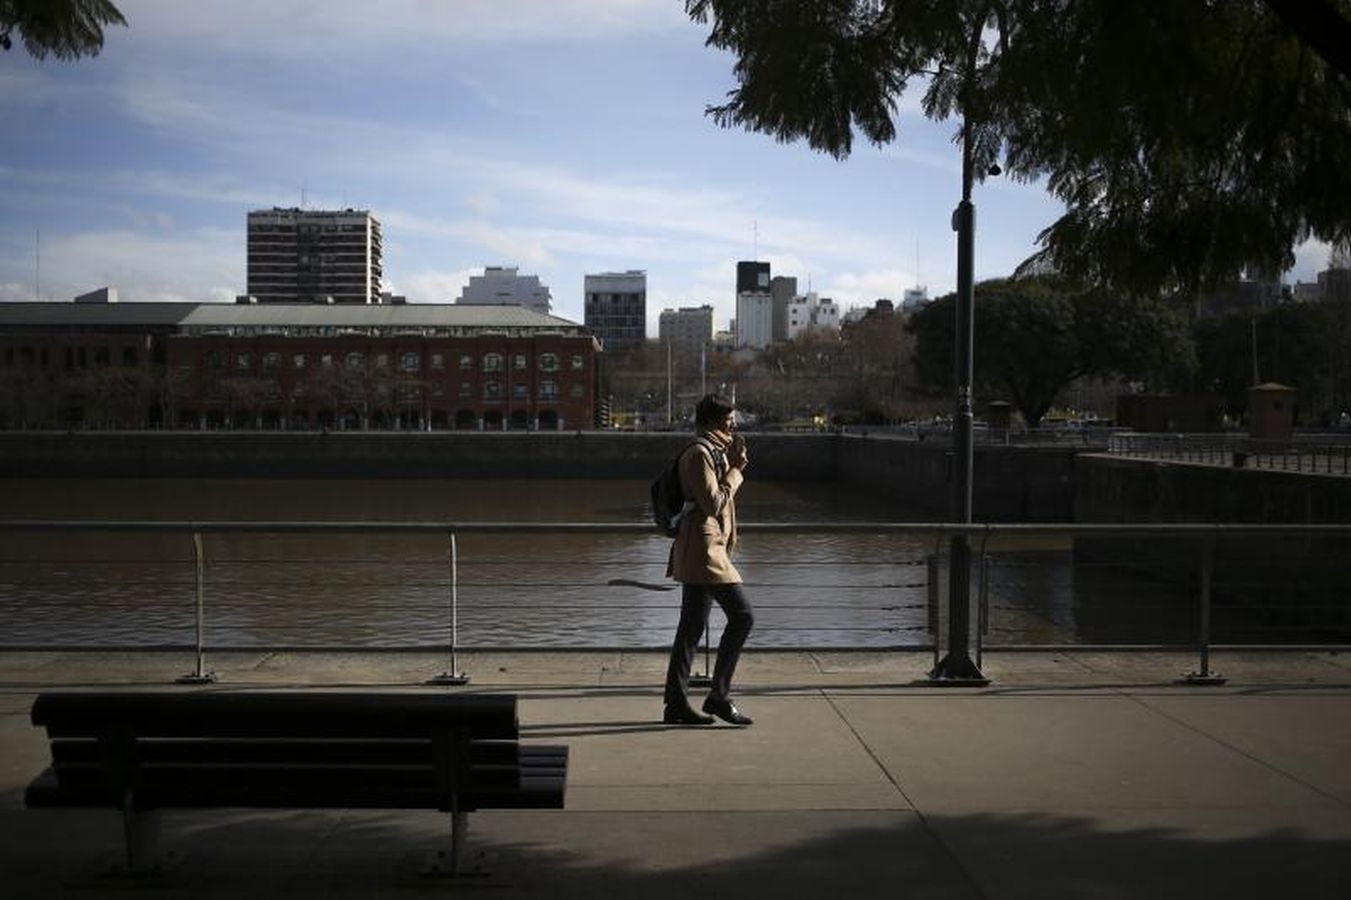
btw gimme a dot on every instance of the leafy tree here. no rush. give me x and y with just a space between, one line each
68 29
1034 337
1187 140
878 352
1304 346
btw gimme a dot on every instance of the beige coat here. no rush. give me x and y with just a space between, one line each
700 553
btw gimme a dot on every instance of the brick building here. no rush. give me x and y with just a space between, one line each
293 367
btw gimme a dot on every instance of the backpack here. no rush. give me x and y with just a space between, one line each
668 495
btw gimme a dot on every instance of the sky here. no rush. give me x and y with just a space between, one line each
563 137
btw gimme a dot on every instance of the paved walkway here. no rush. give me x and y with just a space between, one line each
1073 775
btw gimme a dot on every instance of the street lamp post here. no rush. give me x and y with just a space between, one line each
957 668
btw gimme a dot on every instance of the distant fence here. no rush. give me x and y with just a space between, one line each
1328 454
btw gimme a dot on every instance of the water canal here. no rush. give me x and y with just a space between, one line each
517 591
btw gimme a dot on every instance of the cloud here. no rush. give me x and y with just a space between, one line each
313 28
656 201
1311 257
863 288
205 265
433 286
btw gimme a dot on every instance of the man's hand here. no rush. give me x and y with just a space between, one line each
736 453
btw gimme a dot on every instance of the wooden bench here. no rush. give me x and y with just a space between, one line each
145 751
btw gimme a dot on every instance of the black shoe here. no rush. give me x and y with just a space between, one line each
725 710
684 715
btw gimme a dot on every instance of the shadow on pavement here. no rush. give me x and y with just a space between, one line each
658 855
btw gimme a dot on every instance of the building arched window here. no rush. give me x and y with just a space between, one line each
411 361
356 360
548 390
492 362
492 390
548 362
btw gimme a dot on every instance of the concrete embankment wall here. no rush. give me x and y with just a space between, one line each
385 455
1294 588
1119 489
1011 483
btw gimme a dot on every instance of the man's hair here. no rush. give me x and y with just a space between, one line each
712 409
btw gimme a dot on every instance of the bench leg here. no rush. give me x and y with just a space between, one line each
140 830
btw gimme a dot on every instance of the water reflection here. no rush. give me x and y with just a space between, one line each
574 590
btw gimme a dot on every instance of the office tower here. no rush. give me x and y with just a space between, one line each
752 277
754 305
783 289
313 256
615 308
505 286
688 328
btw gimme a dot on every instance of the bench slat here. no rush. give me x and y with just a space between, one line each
76 751
331 714
532 792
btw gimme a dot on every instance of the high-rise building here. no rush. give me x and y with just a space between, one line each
505 286
615 308
687 328
752 277
313 256
783 289
754 305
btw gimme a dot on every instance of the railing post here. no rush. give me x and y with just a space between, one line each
454 676
704 678
931 565
983 607
1205 676
199 675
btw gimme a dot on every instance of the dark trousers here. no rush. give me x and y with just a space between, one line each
695 601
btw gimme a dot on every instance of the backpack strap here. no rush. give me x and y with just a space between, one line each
718 456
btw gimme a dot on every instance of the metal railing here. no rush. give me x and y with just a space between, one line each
1183 556
1328 454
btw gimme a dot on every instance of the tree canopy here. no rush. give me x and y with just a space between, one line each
1034 337
67 29
1189 141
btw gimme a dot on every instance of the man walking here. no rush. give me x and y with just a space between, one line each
711 471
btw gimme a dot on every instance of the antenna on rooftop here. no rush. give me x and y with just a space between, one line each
37 263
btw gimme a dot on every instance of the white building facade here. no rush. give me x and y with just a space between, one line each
505 286
754 319
811 311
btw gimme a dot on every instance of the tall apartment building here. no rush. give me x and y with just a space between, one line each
754 305
313 256
687 328
615 308
505 286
